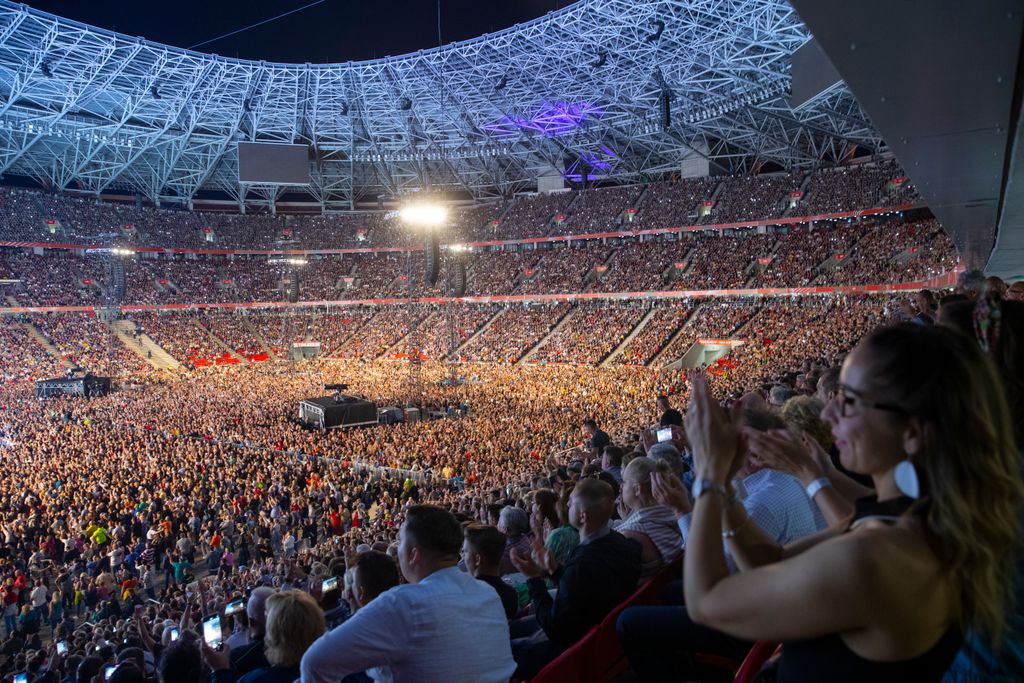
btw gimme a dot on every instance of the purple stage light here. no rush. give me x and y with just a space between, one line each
552 119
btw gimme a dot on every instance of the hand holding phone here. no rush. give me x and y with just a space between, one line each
62 647
212 633
108 671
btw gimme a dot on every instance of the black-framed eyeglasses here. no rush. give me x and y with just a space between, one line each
851 398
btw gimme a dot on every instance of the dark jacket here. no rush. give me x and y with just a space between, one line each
509 596
597 577
270 674
249 658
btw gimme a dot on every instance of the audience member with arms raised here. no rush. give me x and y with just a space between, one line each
921 411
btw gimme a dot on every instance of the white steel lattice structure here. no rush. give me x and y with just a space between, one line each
84 106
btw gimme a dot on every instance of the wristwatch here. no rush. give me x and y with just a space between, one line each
702 486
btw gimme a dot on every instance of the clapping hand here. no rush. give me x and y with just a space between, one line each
525 564
714 434
669 491
782 450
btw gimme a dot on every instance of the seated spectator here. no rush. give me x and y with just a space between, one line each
601 573
252 656
293 622
611 461
660 640
180 663
515 524
646 521
922 412
443 625
374 573
482 551
552 532
779 395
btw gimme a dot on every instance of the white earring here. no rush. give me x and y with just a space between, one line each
906 479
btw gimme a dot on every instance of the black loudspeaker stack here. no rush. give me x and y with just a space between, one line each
292 284
433 261
459 278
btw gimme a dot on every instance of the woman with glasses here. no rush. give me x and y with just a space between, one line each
921 411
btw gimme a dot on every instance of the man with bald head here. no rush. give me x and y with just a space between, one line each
251 656
599 574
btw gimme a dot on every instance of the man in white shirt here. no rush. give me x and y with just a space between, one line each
38 597
442 626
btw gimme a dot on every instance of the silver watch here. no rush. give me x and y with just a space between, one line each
702 486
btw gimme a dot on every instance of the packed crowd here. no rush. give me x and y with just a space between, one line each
589 334
599 210
38 217
748 198
849 188
84 341
672 204
871 253
516 330
131 518
914 250
650 341
21 358
385 329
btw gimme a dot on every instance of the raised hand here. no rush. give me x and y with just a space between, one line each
714 434
525 564
782 450
669 491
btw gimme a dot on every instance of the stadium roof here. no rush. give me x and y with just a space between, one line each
579 92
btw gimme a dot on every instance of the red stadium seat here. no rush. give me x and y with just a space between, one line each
760 653
572 665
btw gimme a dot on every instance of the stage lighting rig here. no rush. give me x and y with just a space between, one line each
424 215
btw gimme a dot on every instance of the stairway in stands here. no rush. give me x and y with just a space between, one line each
625 342
554 329
483 328
258 336
220 342
43 341
143 346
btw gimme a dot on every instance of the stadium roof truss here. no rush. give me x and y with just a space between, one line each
581 88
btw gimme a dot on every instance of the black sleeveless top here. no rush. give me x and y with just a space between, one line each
827 658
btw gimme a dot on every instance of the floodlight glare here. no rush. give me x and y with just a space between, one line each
427 215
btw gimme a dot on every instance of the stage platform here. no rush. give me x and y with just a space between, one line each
89 386
329 412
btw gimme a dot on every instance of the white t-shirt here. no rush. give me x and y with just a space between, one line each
39 596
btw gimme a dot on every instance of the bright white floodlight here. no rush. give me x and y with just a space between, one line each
425 215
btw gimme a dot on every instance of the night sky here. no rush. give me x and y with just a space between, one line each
334 31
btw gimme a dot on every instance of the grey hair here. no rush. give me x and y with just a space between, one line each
514 520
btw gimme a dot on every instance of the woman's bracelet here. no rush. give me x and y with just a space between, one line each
730 533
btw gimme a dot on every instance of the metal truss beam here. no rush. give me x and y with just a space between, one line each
485 116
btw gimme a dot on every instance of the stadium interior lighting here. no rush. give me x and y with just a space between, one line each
424 215
123 252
